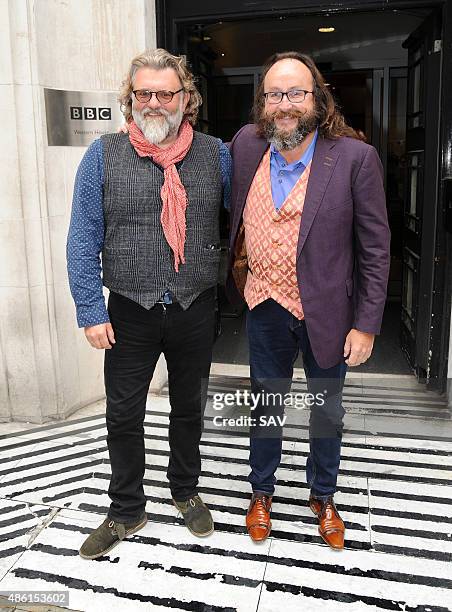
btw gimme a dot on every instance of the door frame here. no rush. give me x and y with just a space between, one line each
171 18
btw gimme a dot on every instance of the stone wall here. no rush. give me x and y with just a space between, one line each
47 368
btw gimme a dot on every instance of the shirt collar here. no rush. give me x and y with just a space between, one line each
304 159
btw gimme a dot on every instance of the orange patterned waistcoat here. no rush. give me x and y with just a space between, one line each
271 239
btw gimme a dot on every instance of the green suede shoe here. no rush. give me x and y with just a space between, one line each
107 535
196 515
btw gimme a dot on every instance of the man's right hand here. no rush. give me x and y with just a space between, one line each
100 336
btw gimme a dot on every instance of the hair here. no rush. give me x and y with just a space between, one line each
331 121
159 59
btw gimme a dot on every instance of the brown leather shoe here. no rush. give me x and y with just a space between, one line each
331 526
315 505
258 521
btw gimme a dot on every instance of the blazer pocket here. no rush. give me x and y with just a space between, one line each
349 286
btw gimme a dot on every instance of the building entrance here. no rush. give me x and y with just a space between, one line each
385 70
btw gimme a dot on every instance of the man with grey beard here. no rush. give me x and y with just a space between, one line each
148 201
309 253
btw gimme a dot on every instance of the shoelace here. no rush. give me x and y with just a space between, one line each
118 529
328 515
262 504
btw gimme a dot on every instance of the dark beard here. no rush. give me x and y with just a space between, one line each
281 140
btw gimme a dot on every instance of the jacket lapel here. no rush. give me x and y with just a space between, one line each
322 166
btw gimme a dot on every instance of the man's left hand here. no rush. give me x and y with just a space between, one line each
358 347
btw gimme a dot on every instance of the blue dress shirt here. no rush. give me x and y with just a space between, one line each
86 233
283 175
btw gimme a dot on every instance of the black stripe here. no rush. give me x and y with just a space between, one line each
8 509
413 533
411 496
4 537
217 576
30 441
83 585
24 517
58 459
9 552
54 449
50 426
385 604
372 460
415 516
438 416
72 492
414 552
50 486
66 552
399 449
69 468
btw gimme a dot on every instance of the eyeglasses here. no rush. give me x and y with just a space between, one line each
293 95
164 96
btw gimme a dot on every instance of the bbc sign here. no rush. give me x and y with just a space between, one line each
90 113
76 118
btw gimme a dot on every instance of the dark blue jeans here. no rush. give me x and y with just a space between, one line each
275 337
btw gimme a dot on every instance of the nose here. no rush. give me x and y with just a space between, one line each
285 103
153 102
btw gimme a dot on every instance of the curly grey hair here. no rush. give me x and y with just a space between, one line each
160 59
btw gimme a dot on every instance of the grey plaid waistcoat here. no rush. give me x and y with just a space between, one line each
137 261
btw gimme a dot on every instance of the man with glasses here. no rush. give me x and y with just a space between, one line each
310 255
149 201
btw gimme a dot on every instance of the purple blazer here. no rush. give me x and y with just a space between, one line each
343 250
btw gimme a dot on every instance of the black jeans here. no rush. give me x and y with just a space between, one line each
185 338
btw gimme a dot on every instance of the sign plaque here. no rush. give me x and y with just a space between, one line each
76 118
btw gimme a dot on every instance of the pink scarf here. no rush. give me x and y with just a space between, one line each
174 196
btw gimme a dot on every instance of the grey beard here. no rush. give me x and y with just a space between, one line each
286 141
154 130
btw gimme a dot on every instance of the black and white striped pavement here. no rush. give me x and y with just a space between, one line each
395 495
